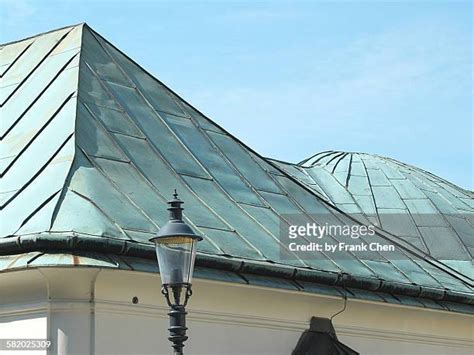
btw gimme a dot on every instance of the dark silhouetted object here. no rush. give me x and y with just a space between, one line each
321 339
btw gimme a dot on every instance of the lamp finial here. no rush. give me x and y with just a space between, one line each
176 211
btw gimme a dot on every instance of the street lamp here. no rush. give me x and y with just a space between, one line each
175 246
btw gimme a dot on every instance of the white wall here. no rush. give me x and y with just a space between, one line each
23 313
90 311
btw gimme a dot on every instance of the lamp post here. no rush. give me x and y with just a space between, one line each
175 246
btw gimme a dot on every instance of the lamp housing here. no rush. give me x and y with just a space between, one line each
176 246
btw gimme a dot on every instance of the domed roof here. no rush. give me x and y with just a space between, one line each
427 211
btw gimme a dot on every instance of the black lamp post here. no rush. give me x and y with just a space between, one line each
176 251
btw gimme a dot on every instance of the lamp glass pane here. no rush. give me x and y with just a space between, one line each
176 257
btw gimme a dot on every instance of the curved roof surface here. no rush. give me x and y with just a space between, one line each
93 145
430 213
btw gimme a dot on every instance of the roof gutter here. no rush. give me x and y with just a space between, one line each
82 243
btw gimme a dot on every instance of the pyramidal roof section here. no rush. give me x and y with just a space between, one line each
38 100
94 145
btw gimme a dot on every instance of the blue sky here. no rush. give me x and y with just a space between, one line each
294 78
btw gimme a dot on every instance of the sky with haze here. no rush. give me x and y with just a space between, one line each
294 78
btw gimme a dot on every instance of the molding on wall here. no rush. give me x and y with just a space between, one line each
123 308
281 324
24 309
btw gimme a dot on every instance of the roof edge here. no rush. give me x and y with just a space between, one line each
81 243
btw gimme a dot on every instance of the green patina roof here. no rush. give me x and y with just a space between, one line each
92 146
428 212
